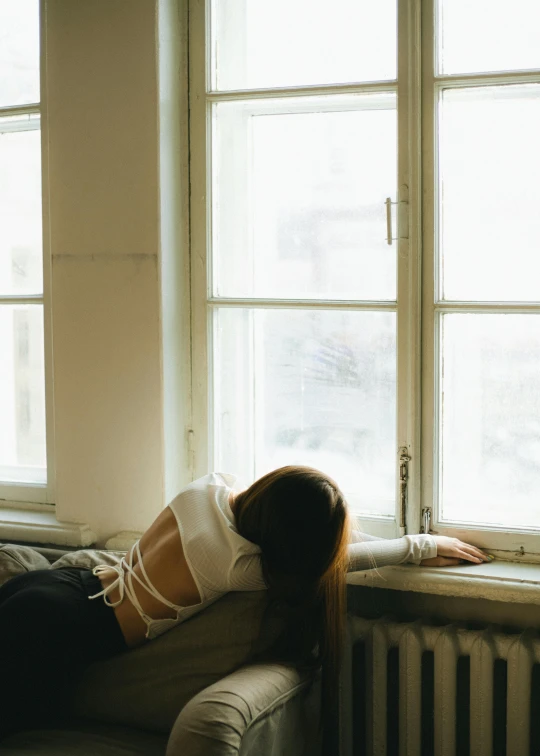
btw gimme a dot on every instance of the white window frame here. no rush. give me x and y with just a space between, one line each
518 543
13 493
417 347
408 274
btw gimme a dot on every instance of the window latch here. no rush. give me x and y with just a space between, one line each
404 460
426 520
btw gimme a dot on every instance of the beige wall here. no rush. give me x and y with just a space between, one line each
102 126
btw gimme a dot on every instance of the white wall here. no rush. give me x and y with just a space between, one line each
102 125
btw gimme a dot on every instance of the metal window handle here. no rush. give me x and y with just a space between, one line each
403 224
389 237
388 204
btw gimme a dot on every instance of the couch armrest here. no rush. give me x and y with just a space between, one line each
261 709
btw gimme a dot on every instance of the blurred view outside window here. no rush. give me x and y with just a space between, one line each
22 385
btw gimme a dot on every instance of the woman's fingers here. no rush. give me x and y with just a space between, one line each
470 557
474 551
440 561
453 547
448 561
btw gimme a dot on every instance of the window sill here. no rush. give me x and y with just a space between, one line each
38 524
498 581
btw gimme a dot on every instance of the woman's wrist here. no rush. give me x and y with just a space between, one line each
423 546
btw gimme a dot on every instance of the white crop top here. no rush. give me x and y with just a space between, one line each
221 560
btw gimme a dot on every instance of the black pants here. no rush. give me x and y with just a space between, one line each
49 633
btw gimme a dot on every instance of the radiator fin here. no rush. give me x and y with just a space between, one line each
446 656
415 689
481 670
519 682
410 678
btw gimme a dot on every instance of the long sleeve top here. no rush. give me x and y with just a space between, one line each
366 551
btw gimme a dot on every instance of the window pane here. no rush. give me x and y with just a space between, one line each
300 42
491 419
490 193
21 265
488 35
19 52
299 187
22 396
309 387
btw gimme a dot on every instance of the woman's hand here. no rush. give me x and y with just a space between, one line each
452 551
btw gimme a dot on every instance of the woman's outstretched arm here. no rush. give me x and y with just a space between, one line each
366 552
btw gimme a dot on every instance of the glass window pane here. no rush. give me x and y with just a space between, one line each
299 187
301 42
19 52
22 395
21 264
313 388
490 193
488 35
491 419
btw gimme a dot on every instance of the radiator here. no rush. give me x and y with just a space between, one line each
414 689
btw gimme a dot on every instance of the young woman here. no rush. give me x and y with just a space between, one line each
289 533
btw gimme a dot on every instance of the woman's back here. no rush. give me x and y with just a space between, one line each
166 566
192 554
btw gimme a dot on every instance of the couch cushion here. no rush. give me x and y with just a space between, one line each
148 686
88 559
14 560
84 739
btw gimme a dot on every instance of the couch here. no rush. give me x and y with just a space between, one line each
186 693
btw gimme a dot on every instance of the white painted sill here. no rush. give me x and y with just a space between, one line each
32 523
496 581
37 523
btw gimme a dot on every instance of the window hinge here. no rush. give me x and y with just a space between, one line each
425 526
404 460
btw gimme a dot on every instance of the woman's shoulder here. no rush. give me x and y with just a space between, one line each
215 480
202 508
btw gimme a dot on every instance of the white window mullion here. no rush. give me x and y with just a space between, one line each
430 373
409 263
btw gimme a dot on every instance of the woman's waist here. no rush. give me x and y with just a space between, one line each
131 623
136 609
92 583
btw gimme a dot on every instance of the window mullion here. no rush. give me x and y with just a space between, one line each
12 111
302 91
408 261
429 272
21 299
304 304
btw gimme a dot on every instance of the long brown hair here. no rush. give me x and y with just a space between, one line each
299 518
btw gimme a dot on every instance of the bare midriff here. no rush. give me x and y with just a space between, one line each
168 570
